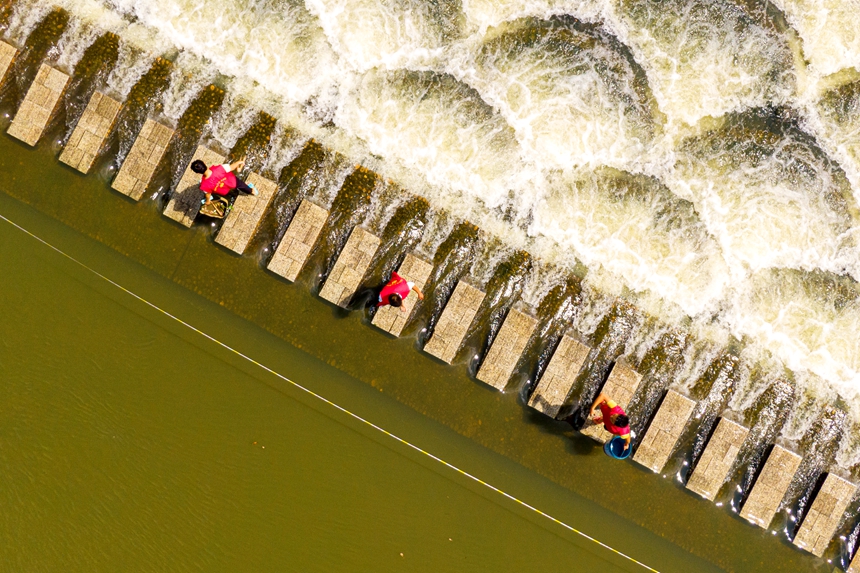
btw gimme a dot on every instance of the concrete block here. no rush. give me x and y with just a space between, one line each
665 429
7 56
184 203
454 322
242 221
854 566
718 458
139 166
620 387
38 105
820 523
295 247
558 379
349 269
90 133
771 486
506 349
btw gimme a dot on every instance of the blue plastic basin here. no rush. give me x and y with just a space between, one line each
614 448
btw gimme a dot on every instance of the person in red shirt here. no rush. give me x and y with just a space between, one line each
221 179
396 290
613 418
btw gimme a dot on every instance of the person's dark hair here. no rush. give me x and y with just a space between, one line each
197 166
395 300
621 421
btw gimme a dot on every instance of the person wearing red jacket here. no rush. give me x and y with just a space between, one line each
221 179
613 418
396 290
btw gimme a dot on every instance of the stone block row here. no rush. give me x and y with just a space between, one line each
771 486
506 350
718 458
454 322
295 247
139 166
7 56
242 221
90 132
557 381
39 104
665 430
820 522
349 269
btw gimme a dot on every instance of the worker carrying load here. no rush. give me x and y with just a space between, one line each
220 180
396 290
614 420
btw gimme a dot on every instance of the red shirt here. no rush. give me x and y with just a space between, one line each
606 411
219 182
395 286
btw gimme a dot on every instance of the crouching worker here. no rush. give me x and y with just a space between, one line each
613 418
221 179
396 290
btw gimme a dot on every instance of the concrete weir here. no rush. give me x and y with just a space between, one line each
90 132
665 429
393 320
38 105
555 384
7 56
820 523
345 277
661 438
184 204
139 166
620 387
454 322
771 486
295 247
243 220
717 459
505 352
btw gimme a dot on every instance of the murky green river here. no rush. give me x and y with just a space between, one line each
129 442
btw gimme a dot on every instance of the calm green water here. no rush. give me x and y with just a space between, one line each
127 442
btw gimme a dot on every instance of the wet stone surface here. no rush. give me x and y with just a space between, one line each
620 387
771 486
556 383
454 322
184 204
854 566
246 214
718 458
7 54
139 166
38 105
352 263
820 523
393 320
506 350
665 429
90 132
293 250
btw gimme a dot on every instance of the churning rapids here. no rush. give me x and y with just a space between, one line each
700 158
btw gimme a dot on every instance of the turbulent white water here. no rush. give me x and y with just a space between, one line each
701 157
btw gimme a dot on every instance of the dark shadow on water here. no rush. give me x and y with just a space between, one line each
582 445
364 299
